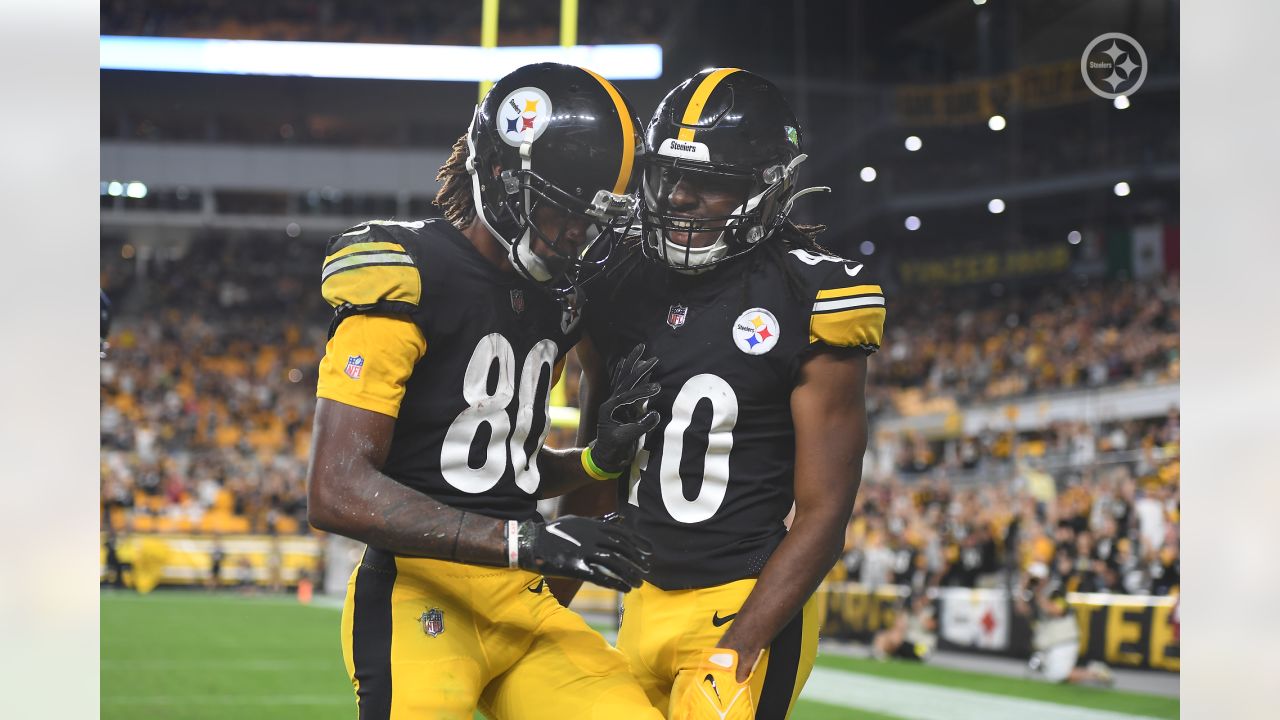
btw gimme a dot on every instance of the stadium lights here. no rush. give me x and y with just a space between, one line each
1121 189
996 123
115 188
868 174
996 206
867 247
979 2
135 190
1074 237
1121 102
913 143
912 223
381 61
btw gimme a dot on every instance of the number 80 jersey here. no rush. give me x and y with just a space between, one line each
713 482
469 387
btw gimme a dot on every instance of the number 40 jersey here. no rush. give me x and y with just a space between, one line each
713 483
467 378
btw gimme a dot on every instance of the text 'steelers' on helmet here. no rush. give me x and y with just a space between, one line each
554 139
730 128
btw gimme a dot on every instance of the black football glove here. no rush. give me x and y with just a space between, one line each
598 550
623 417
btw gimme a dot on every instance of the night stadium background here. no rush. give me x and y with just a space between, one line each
1024 406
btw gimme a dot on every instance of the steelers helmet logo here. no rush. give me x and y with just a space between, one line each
756 331
523 116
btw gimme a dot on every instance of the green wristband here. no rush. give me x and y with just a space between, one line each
594 470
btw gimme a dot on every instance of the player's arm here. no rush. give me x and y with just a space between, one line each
348 493
829 413
595 498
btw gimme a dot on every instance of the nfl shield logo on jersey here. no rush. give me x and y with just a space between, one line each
355 364
517 300
676 316
432 622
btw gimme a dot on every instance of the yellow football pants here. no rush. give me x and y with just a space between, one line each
433 640
662 628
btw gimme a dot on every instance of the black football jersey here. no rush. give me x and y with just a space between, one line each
474 412
712 483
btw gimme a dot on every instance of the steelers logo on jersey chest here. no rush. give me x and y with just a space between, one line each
523 116
756 331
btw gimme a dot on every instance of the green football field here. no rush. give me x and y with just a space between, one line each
198 656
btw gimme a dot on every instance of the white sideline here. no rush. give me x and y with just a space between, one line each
919 701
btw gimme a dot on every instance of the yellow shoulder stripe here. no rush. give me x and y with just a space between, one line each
848 328
693 112
849 291
373 283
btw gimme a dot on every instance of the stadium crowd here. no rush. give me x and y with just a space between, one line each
1109 531
207 398
1053 338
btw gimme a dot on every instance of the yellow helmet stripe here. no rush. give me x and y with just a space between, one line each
699 99
628 135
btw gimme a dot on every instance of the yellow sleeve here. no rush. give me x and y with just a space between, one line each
850 316
368 361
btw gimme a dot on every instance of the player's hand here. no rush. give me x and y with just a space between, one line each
707 687
598 550
623 417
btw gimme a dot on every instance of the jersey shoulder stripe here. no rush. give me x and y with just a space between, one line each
367 267
846 315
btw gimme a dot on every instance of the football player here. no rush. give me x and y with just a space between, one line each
432 409
762 338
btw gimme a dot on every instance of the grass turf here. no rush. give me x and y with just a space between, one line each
199 656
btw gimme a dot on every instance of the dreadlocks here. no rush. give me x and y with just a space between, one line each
454 198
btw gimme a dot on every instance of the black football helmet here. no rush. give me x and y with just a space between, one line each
733 129
558 136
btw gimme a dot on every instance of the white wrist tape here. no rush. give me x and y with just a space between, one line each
513 543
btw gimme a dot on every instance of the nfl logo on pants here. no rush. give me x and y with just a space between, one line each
432 622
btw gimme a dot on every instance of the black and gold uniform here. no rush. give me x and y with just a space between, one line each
712 484
473 413
468 384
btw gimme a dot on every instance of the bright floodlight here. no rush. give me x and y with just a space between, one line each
115 189
867 247
996 123
136 190
913 143
1073 237
996 206
912 223
384 61
1122 188
868 174
979 2
1121 102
